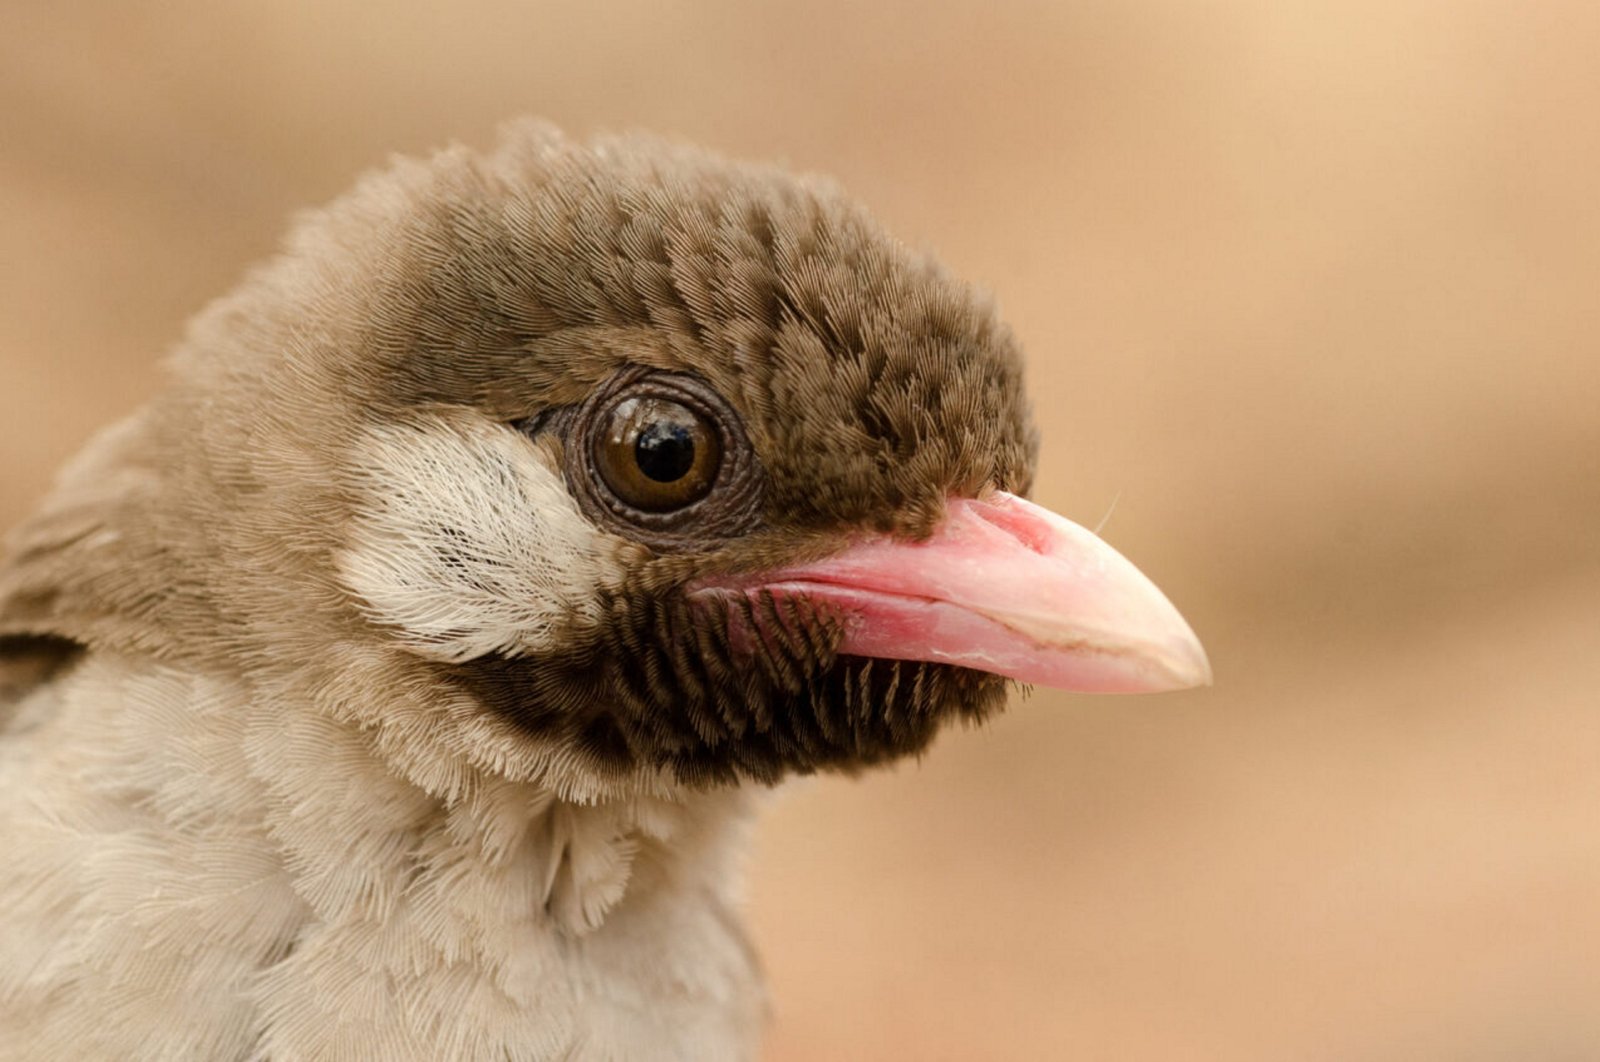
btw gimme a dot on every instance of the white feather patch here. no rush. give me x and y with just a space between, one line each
466 541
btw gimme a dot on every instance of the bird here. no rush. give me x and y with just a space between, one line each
400 681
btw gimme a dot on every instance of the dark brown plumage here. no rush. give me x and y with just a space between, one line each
676 694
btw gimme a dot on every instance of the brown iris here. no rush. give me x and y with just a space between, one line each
657 455
661 458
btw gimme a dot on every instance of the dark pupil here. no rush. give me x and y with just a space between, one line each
665 451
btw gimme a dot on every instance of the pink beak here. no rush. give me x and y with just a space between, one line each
1009 587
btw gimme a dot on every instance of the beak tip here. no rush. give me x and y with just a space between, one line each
1170 663
1184 661
1199 674
1187 666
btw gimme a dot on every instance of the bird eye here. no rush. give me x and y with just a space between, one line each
657 455
661 458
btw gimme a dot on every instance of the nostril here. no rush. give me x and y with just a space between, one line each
1002 512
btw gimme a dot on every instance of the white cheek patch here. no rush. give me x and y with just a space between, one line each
465 540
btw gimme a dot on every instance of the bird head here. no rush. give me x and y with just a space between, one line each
615 465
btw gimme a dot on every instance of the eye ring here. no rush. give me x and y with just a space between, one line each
656 455
699 494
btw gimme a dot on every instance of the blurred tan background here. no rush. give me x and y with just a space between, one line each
1311 291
